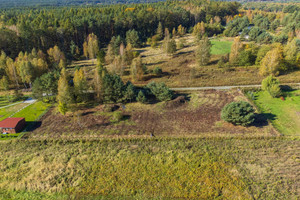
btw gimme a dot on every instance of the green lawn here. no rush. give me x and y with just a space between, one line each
8 111
31 114
220 47
285 115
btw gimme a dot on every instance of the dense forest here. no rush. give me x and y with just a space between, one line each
23 30
38 3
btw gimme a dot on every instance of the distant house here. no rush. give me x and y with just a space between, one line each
12 125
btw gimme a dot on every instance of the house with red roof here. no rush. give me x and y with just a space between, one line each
12 125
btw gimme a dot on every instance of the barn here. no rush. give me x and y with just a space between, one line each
12 125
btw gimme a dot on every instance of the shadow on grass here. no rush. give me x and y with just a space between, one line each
262 119
183 53
153 76
156 63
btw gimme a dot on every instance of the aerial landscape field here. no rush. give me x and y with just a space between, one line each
177 99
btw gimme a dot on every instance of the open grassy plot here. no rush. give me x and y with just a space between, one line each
285 115
220 47
8 111
199 115
151 169
30 112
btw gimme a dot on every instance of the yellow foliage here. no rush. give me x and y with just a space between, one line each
150 9
129 9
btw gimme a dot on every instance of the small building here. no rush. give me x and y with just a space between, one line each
12 125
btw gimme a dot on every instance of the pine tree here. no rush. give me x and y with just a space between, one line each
112 88
137 71
85 50
56 55
64 96
130 92
174 33
181 30
291 50
93 46
110 56
117 65
128 55
199 30
203 51
99 73
12 71
141 97
62 64
4 84
101 57
166 41
132 38
159 31
80 85
171 47
62 108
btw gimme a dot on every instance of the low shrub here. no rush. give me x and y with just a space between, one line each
141 97
157 71
160 91
116 116
271 85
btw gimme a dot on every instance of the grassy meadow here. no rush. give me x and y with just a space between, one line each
162 168
220 47
284 114
33 111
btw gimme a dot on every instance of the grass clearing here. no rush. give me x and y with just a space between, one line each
220 47
33 111
159 168
285 115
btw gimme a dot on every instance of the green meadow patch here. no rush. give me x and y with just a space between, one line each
33 111
283 112
220 47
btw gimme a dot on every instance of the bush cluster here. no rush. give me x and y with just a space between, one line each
271 85
238 113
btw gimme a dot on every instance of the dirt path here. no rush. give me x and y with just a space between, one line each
223 87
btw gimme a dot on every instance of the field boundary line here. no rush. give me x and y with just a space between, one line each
11 105
227 87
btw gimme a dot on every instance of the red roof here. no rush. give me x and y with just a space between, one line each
10 122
